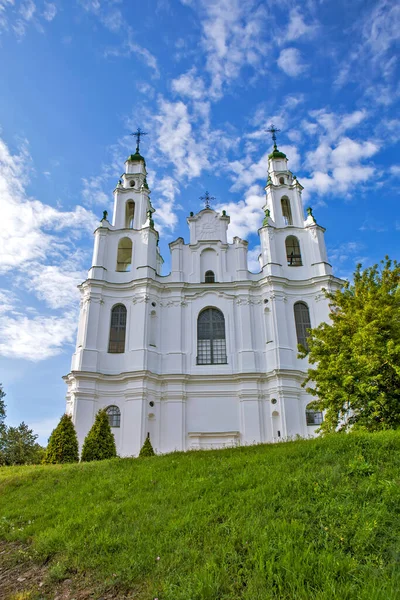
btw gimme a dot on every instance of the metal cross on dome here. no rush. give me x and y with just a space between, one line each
207 199
273 130
137 134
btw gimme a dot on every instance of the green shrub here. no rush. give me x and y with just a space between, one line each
147 448
63 443
99 443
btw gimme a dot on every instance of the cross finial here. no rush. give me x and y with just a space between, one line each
273 130
137 134
207 199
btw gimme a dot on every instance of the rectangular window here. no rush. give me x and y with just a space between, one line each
314 417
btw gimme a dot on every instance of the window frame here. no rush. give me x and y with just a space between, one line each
129 220
314 417
120 250
302 324
286 208
117 345
211 328
114 416
210 275
293 260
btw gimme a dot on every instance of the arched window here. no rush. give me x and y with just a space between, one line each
303 323
281 180
211 343
286 212
293 251
114 416
116 343
130 213
313 417
124 256
209 277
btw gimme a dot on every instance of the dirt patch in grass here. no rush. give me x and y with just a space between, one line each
22 577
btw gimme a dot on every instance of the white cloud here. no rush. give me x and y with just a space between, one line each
246 215
93 193
298 28
36 338
189 85
34 234
107 14
165 216
176 139
395 170
129 48
55 284
27 10
253 264
233 37
50 11
291 63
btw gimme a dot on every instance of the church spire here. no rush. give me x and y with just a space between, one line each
275 153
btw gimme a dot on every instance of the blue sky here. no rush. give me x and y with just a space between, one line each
204 78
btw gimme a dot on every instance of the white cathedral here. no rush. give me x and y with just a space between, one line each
206 356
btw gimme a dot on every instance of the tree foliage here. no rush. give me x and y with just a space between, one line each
63 443
356 377
20 446
99 443
147 448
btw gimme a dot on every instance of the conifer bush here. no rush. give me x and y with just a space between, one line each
63 444
147 448
99 443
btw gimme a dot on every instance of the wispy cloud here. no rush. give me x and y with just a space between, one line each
50 11
129 47
232 38
38 244
291 63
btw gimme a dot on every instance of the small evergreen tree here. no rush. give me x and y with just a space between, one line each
147 448
99 443
20 447
63 443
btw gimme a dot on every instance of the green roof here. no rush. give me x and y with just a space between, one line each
136 158
276 154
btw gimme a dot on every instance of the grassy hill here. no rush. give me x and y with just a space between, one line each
316 519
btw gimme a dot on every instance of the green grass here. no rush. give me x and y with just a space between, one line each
316 519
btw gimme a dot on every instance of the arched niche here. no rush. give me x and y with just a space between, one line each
208 262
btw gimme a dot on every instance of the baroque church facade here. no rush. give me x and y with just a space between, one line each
206 356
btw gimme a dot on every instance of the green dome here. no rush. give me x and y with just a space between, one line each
276 154
136 158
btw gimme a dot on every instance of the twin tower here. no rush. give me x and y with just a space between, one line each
206 356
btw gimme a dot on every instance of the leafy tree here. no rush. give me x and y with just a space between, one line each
20 447
99 443
147 448
356 376
63 443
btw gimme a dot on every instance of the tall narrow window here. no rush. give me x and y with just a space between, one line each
303 323
211 343
313 417
130 214
293 251
153 329
124 256
116 343
209 277
114 416
286 212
